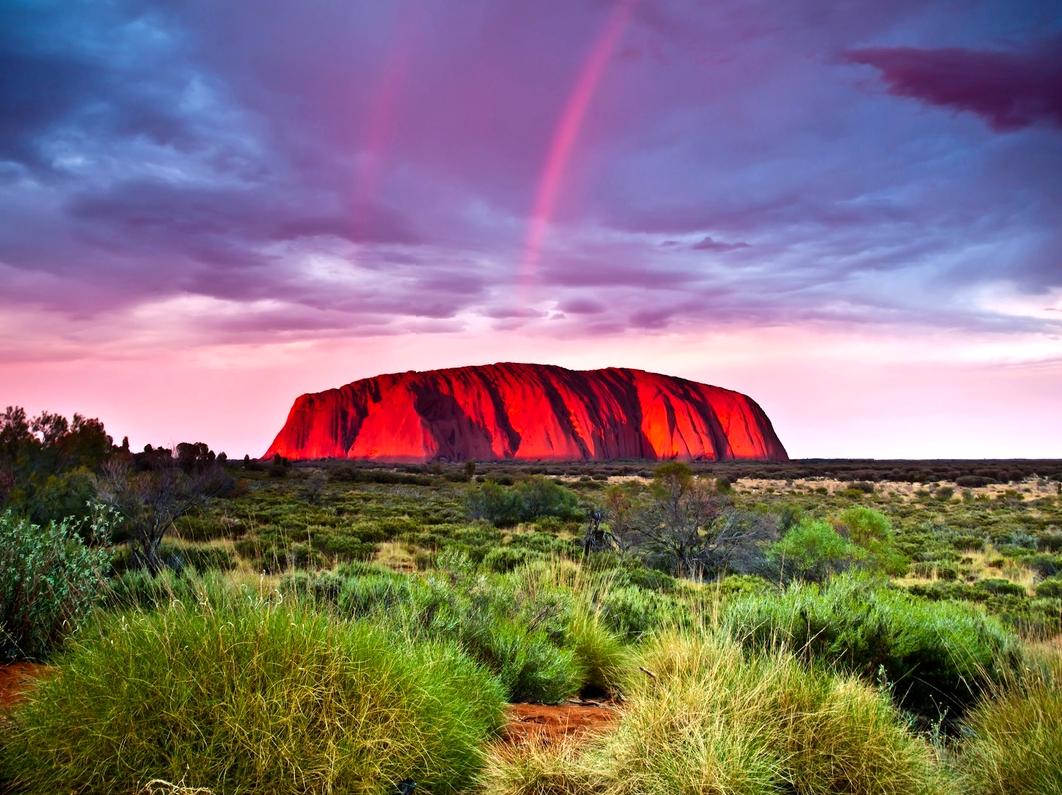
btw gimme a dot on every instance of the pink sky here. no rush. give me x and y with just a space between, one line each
851 212
829 394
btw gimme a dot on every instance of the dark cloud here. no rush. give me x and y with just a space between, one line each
581 306
708 243
1009 89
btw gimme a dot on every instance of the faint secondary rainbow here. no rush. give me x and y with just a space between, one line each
565 135
382 107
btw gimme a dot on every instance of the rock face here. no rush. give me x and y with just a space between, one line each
527 412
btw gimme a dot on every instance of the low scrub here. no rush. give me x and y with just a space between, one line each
238 695
49 579
544 640
530 498
483 617
935 657
705 718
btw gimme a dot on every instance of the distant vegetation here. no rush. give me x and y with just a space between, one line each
822 627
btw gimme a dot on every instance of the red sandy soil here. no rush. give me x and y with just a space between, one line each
16 679
553 723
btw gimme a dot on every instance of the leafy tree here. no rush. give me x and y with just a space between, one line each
46 461
194 456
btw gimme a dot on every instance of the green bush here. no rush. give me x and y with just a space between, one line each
506 558
1000 587
1051 588
65 495
600 654
137 588
49 579
633 612
812 550
528 499
529 665
240 696
873 533
936 657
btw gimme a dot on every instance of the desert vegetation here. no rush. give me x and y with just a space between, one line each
206 625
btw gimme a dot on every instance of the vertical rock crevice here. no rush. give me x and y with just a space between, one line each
527 412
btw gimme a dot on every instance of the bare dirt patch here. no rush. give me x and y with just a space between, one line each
550 724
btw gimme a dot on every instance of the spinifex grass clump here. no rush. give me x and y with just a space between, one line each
543 640
936 657
1013 740
705 718
238 695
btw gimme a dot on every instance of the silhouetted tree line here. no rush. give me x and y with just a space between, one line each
52 468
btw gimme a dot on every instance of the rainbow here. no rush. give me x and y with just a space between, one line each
566 133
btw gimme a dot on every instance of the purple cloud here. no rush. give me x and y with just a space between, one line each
708 243
1009 89
367 165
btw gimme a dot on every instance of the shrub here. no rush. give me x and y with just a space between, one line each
242 696
529 666
948 571
1043 564
1050 588
1014 741
1051 540
49 578
633 612
872 532
600 654
484 619
812 550
137 588
937 657
506 558
64 495
494 502
528 499
706 719
1000 587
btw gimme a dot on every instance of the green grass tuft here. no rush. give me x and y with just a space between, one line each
1014 738
239 695
703 718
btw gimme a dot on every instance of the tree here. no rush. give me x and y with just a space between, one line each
597 537
150 501
688 524
675 523
46 462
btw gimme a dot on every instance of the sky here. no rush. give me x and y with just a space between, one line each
851 211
